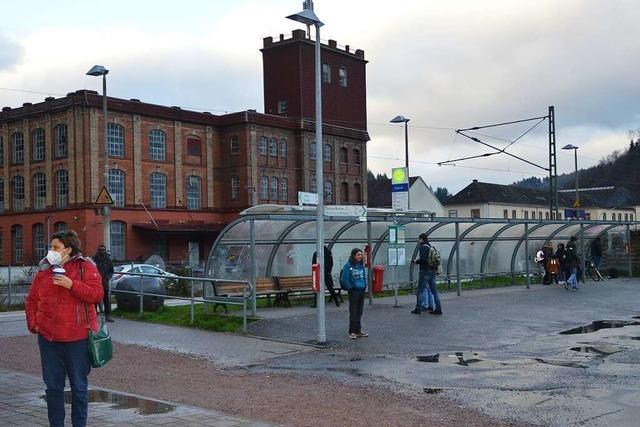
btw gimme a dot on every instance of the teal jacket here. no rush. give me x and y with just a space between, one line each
353 276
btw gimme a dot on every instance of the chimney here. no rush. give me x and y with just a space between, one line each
267 41
298 34
333 44
475 181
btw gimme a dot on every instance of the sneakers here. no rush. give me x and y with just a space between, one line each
109 319
438 311
362 334
566 285
430 309
353 336
416 311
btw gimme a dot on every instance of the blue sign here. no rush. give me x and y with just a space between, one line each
399 187
575 214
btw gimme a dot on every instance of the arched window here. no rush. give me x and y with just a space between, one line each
274 189
39 191
194 146
17 148
158 190
38 145
60 143
344 155
1 152
327 153
17 193
312 150
344 190
273 147
283 148
312 185
118 239
194 198
264 188
357 193
39 242
357 160
115 140
1 245
235 187
284 190
328 192
157 145
1 196
117 187
62 188
60 226
235 145
262 148
17 245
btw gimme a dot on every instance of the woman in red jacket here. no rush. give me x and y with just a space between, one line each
64 286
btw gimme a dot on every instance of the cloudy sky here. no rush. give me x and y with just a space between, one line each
445 65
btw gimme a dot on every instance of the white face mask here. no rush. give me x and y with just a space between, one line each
54 258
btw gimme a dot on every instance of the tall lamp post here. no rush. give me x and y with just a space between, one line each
403 119
308 17
576 203
99 70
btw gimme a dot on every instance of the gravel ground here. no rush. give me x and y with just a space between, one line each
292 400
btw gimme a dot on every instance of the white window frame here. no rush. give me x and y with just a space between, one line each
158 190
115 140
157 145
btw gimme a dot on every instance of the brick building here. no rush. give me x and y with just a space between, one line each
176 176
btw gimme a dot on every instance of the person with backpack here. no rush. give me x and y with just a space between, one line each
429 261
571 260
564 268
354 281
548 258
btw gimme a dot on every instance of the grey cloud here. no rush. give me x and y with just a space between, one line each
9 52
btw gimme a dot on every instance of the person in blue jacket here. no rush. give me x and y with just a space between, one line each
354 280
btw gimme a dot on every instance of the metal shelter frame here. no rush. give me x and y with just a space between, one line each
271 227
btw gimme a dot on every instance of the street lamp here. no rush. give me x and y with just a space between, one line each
403 119
576 203
308 17
99 70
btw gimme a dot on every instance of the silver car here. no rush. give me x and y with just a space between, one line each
120 272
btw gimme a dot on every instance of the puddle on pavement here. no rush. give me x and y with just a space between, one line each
600 351
599 324
432 390
565 363
464 358
429 358
122 401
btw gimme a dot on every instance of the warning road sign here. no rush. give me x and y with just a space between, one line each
104 198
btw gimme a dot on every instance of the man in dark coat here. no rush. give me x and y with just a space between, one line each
328 277
105 268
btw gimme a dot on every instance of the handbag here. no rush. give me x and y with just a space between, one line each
100 345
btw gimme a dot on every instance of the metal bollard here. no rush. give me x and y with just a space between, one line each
192 306
141 302
9 273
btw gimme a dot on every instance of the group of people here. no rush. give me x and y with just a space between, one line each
353 279
563 266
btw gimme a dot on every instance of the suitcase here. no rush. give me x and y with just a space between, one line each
553 266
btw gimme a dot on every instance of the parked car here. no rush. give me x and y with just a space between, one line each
120 272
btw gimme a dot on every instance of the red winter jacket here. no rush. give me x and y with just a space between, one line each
59 313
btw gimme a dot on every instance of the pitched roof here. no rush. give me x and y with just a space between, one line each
379 192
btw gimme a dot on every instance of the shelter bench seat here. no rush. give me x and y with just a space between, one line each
300 285
265 287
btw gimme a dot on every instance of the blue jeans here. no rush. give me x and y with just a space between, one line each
60 360
427 298
427 287
573 280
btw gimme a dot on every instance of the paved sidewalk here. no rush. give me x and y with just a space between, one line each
22 404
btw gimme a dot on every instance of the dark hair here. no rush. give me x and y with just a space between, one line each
352 258
573 239
560 245
423 236
69 239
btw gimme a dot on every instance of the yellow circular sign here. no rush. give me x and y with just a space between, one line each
399 176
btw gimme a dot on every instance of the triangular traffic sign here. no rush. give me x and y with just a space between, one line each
104 198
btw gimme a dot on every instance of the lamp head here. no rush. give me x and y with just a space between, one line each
399 119
570 147
307 17
97 70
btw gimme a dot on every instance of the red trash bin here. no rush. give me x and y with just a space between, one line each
377 281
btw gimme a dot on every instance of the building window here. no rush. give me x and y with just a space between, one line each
60 141
342 76
17 190
157 145
118 239
631 217
17 244
235 145
39 191
1 197
475 213
505 213
17 148
283 148
39 243
194 147
115 140
513 214
262 148
282 106
357 193
1 243
194 197
159 247
328 192
344 192
284 190
326 73
235 187
60 226
1 152
117 187
312 151
312 185
344 155
604 216
264 188
158 190
626 217
274 189
526 214
327 152
546 215
273 147
533 214
453 213
356 157
38 145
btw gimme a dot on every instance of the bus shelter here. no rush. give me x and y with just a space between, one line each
279 240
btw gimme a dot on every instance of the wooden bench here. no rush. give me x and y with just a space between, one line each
265 287
296 284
